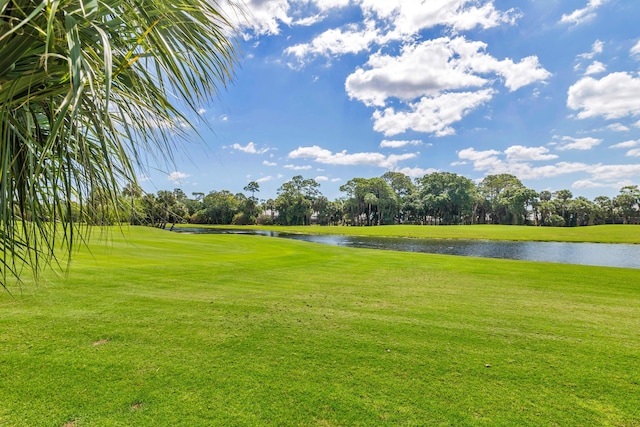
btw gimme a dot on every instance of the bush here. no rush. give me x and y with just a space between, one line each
554 221
242 218
264 220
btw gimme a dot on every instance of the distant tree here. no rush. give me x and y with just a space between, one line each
562 198
606 210
447 197
372 199
507 198
295 201
627 203
252 187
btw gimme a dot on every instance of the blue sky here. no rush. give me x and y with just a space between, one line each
546 90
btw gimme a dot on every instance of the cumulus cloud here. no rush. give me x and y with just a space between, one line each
614 172
615 96
588 183
570 143
298 168
176 177
627 144
635 50
633 153
399 143
324 156
415 172
431 114
412 16
596 48
580 16
439 81
268 163
618 127
321 178
436 66
268 178
259 17
399 20
519 153
337 41
497 162
493 162
596 67
250 148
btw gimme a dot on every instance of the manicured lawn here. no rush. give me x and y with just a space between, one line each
597 234
157 328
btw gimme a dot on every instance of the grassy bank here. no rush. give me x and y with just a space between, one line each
158 328
596 234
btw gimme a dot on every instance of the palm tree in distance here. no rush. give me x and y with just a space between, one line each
88 90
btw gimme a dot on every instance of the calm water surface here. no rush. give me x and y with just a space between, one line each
608 255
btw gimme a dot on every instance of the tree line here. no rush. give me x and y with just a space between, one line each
440 198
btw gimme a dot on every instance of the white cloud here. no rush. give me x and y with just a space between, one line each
431 115
309 20
596 67
587 183
321 178
176 177
399 20
596 48
324 156
519 153
336 180
580 16
614 172
412 16
325 5
635 50
399 143
570 143
618 127
261 17
265 179
250 148
633 153
439 80
482 160
336 42
436 66
493 162
415 172
627 144
614 96
298 168
268 163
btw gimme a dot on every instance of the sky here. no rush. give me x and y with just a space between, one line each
548 91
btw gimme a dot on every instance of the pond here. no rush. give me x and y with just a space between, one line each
601 254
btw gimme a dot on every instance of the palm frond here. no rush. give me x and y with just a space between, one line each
86 88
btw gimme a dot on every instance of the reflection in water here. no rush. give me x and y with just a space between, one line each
611 255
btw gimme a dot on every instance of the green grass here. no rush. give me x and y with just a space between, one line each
157 328
596 234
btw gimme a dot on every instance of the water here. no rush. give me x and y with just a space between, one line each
601 254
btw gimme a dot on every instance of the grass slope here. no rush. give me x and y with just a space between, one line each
156 328
596 234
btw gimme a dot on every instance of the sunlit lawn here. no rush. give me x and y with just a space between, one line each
157 328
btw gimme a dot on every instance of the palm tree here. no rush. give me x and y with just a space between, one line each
86 88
